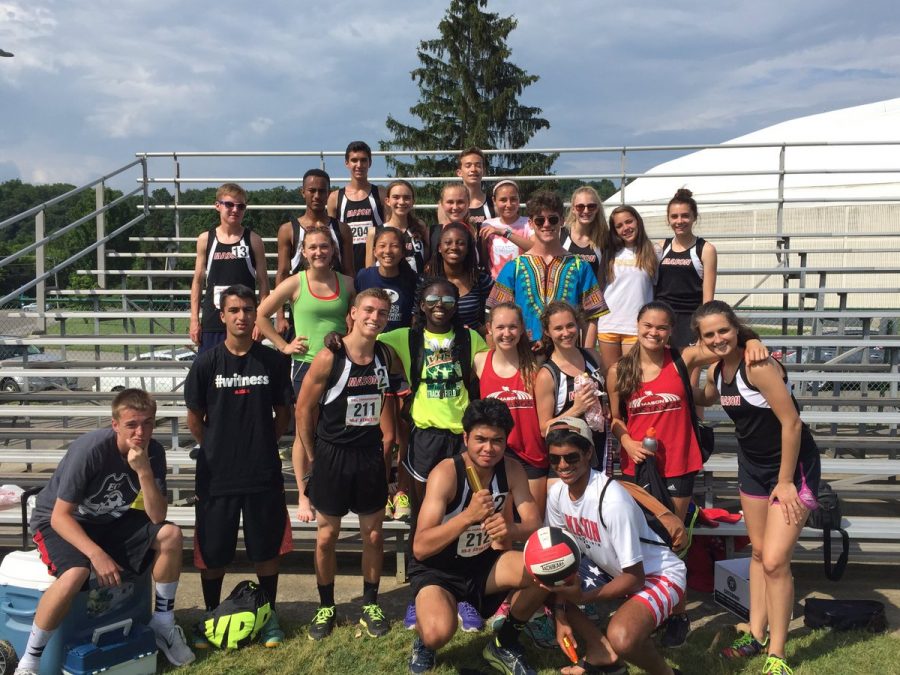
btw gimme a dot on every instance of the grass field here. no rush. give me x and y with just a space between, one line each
818 652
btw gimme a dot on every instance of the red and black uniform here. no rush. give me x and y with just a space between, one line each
679 283
360 215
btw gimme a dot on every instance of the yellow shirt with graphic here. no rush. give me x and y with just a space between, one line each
441 398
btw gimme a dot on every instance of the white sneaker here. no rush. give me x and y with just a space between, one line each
25 671
172 643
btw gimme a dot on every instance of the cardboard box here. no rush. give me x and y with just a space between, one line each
732 586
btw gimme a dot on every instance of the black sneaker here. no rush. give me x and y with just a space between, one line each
509 660
374 621
322 624
422 658
676 631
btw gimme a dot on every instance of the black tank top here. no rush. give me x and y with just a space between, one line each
564 396
350 409
756 427
587 253
414 251
679 277
465 554
481 213
359 216
226 265
298 262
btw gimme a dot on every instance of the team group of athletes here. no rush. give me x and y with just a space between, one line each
460 347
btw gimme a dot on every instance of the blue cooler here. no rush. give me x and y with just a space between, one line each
23 580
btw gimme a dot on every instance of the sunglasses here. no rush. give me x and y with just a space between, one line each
232 205
445 300
585 207
571 459
540 220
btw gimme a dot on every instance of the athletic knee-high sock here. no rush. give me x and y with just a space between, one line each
370 593
269 584
508 635
212 592
164 611
37 641
326 594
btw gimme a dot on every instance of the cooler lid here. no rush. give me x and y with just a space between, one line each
24 569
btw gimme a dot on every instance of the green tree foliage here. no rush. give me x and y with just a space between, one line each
469 94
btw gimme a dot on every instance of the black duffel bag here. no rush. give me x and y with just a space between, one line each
844 614
828 517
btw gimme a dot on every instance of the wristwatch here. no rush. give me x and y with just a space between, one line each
507 232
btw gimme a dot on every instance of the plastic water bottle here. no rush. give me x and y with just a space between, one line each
649 443
593 415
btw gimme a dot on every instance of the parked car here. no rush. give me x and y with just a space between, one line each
14 356
161 383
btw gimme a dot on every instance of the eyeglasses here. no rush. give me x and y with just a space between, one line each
571 459
232 205
445 300
540 220
584 207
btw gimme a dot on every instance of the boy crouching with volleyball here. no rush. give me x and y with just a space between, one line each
458 547
620 559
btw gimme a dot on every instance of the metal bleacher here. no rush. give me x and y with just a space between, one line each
833 325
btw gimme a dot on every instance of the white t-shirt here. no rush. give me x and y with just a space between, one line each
618 545
629 291
501 250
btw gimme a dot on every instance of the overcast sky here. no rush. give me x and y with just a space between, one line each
94 82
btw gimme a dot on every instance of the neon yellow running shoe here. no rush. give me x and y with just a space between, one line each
775 665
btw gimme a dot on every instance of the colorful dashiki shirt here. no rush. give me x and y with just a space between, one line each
532 284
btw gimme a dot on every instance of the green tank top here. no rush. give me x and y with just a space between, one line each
315 316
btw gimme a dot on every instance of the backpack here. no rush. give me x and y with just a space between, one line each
844 614
828 517
239 618
705 436
660 519
417 361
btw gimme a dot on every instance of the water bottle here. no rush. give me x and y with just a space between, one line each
593 416
649 443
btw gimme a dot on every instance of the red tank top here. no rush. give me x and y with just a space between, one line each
525 439
661 404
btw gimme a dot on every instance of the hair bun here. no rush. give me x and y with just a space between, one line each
683 193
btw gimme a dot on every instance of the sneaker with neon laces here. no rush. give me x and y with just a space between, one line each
409 620
470 621
271 634
389 509
322 624
422 658
171 642
745 646
776 665
499 616
198 637
509 660
374 621
542 631
402 507
676 631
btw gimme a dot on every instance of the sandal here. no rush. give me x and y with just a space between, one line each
616 668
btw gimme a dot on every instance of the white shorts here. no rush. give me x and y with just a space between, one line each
660 594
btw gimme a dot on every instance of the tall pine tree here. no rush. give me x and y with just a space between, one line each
469 95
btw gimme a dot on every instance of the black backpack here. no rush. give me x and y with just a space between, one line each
239 618
828 517
417 359
844 614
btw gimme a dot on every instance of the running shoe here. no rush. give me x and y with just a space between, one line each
25 671
198 637
542 632
402 508
374 621
676 630
744 647
470 620
171 642
322 624
775 665
422 659
499 616
389 509
271 634
409 620
509 660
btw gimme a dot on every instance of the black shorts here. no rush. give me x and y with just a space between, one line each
298 372
677 486
210 339
348 479
755 480
468 586
127 540
427 448
267 527
682 335
531 471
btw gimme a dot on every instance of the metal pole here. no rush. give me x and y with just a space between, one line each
40 265
100 194
177 197
624 163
